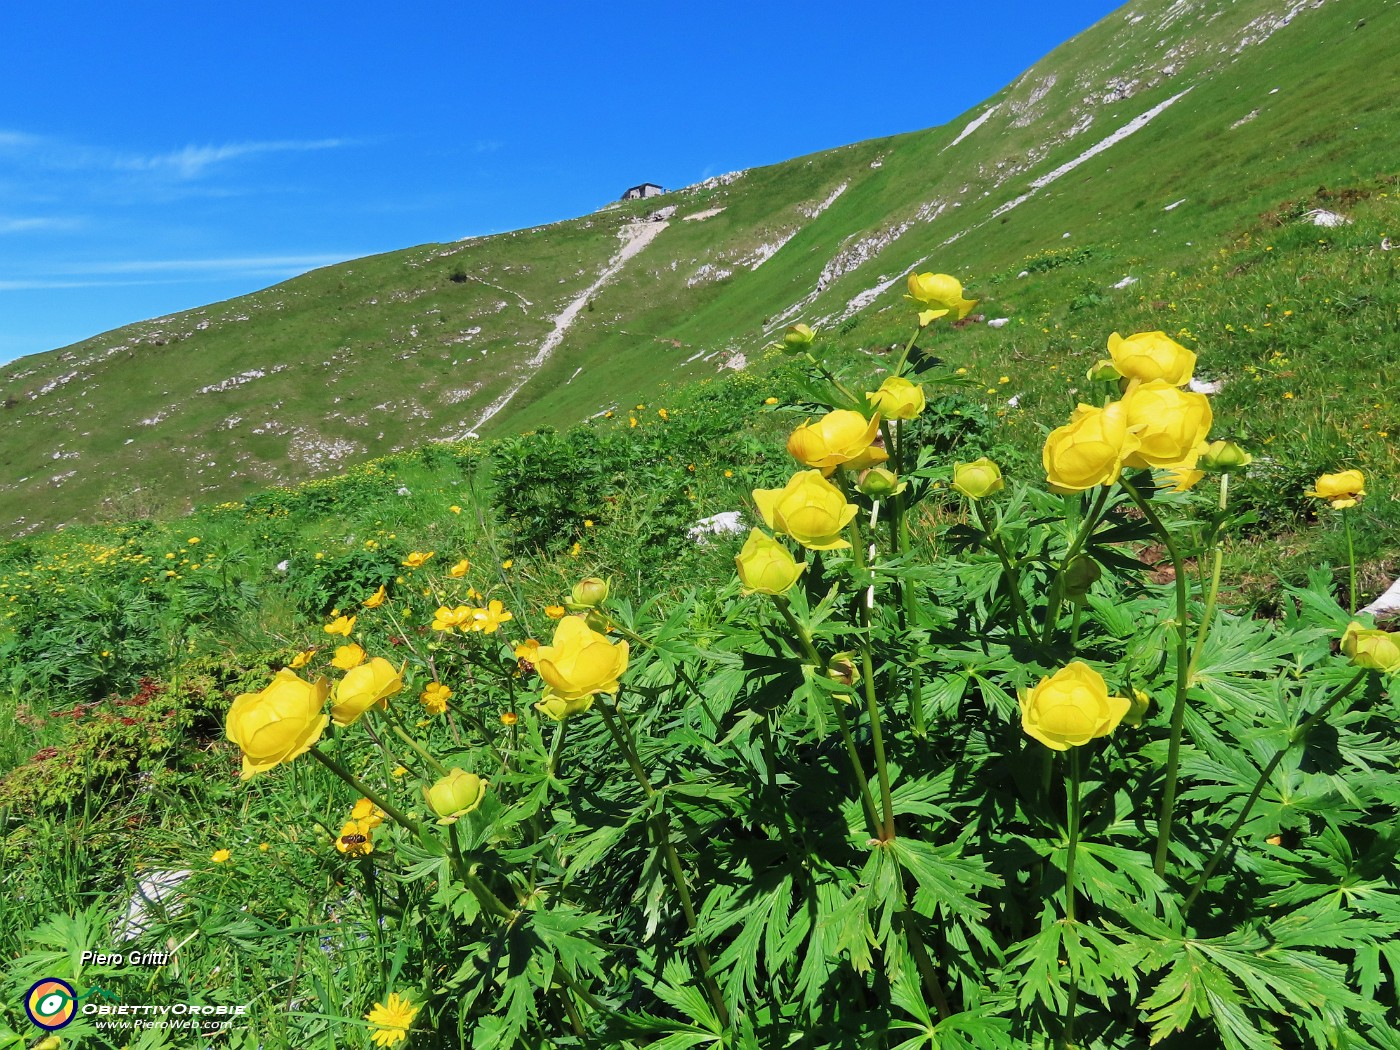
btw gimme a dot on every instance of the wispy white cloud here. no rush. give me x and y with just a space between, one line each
169 271
188 162
192 161
39 224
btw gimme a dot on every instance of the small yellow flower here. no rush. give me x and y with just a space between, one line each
588 523
460 569
193 539
729 473
434 698
263 847
770 400
448 617
355 838
555 612
507 563
489 619
1004 379
399 772
341 625
1288 395
417 559
663 413
631 421
509 718
302 659
575 550
375 600
170 556
220 855
455 509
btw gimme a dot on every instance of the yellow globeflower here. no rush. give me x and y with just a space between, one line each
341 625
579 661
939 295
809 508
897 398
1372 649
1152 355
455 795
1089 451
1071 707
1341 490
434 698
977 479
391 1020
839 437
279 723
1181 479
1170 424
766 566
417 559
364 687
348 656
375 600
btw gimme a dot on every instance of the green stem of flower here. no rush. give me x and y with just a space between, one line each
770 760
418 749
1013 582
1074 820
919 951
633 636
899 540
1086 529
1183 663
877 737
391 811
1351 557
857 769
1214 592
556 753
488 900
661 827
1298 736
904 357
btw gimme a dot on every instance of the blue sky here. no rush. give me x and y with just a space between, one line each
156 156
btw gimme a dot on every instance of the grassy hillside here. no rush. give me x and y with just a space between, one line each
1165 127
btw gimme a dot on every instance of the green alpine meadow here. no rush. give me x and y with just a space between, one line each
931 593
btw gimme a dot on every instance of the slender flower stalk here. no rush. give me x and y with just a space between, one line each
418 749
661 827
390 810
899 541
877 737
1067 1037
1013 583
1183 665
1214 591
1296 737
1057 592
1351 558
857 768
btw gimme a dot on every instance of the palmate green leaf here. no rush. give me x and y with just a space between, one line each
1113 876
571 936
681 990
770 935
1092 959
946 882
842 926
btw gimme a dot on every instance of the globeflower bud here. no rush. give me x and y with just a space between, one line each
877 482
897 398
1138 711
798 338
1371 649
556 707
455 795
589 593
1080 575
977 479
1104 371
765 566
841 667
1223 456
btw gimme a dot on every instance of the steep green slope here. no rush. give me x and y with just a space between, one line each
1167 124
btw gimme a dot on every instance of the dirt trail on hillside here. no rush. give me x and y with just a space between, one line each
634 237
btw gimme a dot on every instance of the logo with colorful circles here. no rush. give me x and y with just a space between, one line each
51 1003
